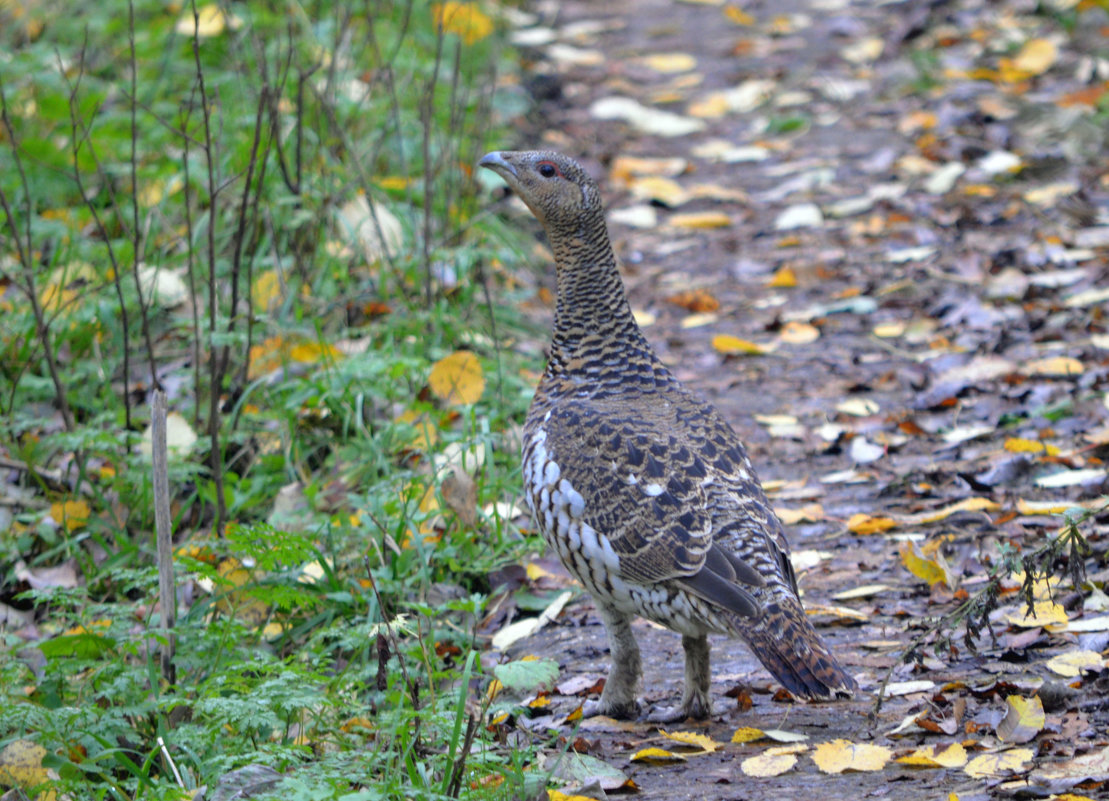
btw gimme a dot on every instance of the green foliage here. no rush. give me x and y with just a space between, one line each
275 223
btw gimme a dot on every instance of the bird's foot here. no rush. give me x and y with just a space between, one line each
696 707
625 710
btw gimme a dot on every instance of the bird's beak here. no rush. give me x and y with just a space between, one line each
497 163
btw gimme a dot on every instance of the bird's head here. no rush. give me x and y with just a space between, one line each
556 188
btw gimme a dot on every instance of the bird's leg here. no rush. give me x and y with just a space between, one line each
618 697
695 703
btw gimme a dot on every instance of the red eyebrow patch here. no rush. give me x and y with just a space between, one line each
552 165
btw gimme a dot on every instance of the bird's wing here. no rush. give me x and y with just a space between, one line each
644 494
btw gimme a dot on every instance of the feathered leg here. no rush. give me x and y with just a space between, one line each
618 697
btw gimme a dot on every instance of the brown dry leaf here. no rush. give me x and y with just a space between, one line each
700 219
1044 613
1057 366
657 756
767 764
998 763
840 755
70 515
1088 96
460 493
1072 664
703 744
863 523
798 333
1024 718
457 379
930 570
936 756
734 346
698 301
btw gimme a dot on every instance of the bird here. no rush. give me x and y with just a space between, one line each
640 486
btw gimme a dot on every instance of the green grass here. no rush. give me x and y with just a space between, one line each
327 588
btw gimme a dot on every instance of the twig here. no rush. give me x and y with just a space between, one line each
163 531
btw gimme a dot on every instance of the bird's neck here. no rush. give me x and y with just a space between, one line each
594 327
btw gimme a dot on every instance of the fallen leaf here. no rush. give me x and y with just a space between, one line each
864 591
695 300
784 278
1092 766
747 734
457 379
70 515
657 756
700 219
766 764
1056 366
864 524
1036 56
647 120
973 504
998 763
858 407
21 765
1072 478
1024 718
670 62
798 333
1044 613
465 19
1021 445
838 756
898 688
734 346
930 570
936 756
700 742
1074 663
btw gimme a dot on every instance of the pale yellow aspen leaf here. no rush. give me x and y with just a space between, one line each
457 379
998 763
838 756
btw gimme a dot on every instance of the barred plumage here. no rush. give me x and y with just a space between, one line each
641 487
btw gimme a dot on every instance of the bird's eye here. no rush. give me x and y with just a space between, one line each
547 169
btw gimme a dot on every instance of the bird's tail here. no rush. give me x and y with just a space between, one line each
789 647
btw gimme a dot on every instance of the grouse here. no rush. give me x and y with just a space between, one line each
640 486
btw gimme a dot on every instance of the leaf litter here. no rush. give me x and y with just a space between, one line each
906 324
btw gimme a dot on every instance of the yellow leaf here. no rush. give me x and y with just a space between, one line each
210 21
71 515
457 379
1036 57
21 764
1020 445
1072 663
936 756
840 755
930 570
701 219
732 346
1024 717
738 15
998 763
973 504
783 278
557 795
266 291
657 756
863 523
393 182
1044 613
427 434
811 512
767 764
659 188
747 734
797 333
312 352
702 742
889 330
1058 366
670 62
464 19
624 168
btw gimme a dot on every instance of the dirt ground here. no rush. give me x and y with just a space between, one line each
938 294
